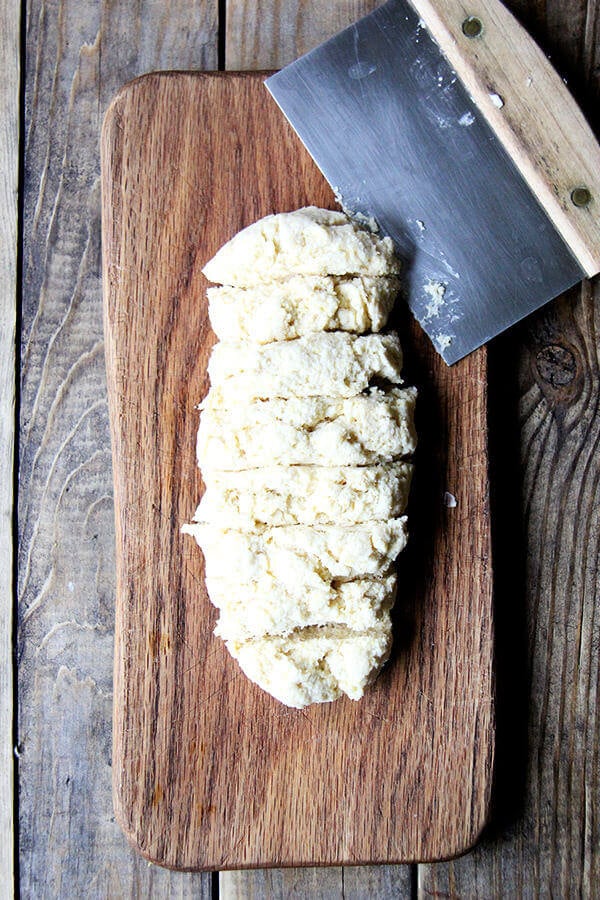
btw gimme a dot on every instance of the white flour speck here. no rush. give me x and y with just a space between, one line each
466 119
497 100
436 291
449 500
368 222
420 225
364 221
448 267
442 341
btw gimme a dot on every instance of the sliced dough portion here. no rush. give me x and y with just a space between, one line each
308 241
268 607
285 495
324 364
300 555
302 304
370 428
314 665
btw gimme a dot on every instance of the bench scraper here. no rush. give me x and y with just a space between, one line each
446 123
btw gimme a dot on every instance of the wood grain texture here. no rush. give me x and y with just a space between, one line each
513 861
334 883
545 841
274 884
78 55
9 177
209 770
531 111
380 882
547 835
269 34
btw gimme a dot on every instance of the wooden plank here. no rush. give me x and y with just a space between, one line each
546 841
378 882
546 838
343 882
79 53
10 17
267 35
275 884
209 770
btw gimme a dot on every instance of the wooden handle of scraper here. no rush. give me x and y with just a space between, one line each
531 111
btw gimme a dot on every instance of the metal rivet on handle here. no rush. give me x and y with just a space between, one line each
472 26
581 196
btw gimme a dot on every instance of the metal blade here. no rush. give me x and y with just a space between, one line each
398 138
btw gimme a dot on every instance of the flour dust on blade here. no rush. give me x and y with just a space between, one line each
455 133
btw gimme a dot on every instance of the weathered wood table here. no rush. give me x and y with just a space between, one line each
545 430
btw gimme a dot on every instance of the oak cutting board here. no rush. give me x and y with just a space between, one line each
210 772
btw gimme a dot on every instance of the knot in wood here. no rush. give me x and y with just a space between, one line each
557 365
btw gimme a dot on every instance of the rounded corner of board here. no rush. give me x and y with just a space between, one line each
132 835
124 824
470 843
123 93
462 848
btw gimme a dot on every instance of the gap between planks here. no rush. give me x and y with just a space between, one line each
78 54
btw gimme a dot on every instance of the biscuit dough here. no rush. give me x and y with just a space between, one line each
302 444
257 609
308 241
285 495
300 556
314 665
327 364
369 428
300 305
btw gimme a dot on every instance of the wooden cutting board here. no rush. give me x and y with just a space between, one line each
210 772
